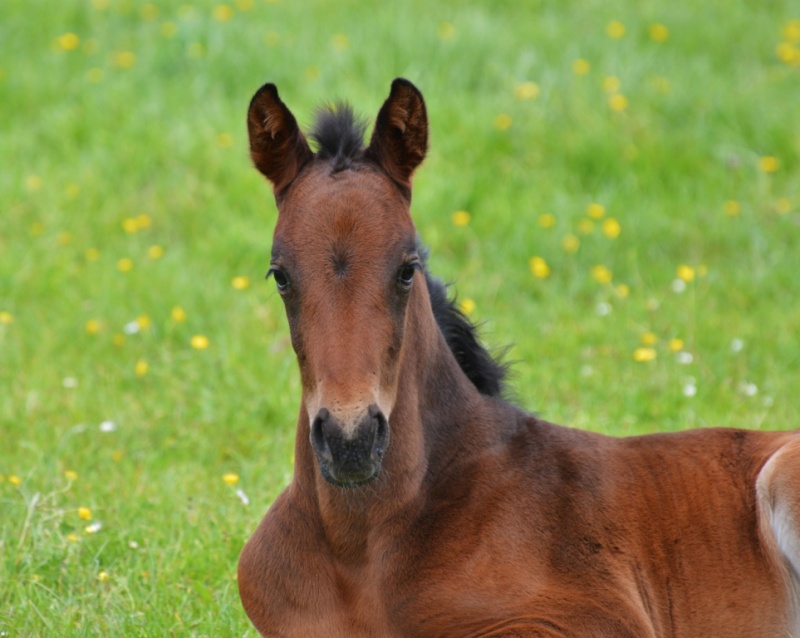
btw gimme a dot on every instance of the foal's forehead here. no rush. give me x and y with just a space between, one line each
360 205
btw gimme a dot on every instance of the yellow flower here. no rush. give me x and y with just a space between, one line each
340 42
15 480
547 220
85 513
230 478
446 30
200 342
571 243
225 140
141 368
783 205
178 314
125 264
68 42
117 455
124 59
64 239
611 228
71 475
100 5
611 84
595 211
118 340
311 73
526 91
144 322
467 306
92 254
93 326
585 226
791 30
615 29
502 122
732 207
658 32
168 29
685 272
33 182
787 53
73 538
618 103
539 267
675 345
129 225
103 577
155 252
222 13
768 164
622 290
94 75
6 318
240 283
72 190
643 355
460 218
244 5
143 221
601 274
149 11
580 67
660 84
648 338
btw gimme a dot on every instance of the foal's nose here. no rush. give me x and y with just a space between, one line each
349 458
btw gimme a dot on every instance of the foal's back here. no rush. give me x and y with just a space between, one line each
563 532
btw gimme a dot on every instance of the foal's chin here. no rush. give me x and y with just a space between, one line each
352 478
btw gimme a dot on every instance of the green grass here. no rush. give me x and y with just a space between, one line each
88 143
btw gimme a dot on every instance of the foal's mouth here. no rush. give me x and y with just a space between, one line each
349 479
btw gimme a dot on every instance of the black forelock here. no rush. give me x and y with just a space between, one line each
339 134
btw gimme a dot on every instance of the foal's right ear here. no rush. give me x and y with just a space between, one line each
277 146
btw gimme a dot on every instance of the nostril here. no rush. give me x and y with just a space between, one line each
381 429
318 441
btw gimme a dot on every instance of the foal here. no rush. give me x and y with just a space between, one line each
422 503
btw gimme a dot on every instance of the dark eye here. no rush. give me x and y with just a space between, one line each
281 280
406 274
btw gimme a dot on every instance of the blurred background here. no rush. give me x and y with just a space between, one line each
613 188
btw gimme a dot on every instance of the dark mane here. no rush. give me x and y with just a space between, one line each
485 372
339 134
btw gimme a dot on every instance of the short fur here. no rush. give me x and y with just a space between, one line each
423 504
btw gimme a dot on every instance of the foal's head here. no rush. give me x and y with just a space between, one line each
345 262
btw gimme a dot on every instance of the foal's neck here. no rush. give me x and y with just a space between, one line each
427 425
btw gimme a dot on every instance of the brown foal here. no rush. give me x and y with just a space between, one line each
423 503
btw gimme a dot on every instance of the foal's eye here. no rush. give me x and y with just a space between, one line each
406 274
281 280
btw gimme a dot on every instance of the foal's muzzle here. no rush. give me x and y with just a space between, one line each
349 459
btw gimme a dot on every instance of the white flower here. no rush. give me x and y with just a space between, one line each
69 382
603 309
684 358
108 426
242 497
132 327
678 285
94 527
737 345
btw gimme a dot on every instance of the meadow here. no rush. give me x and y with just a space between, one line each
612 187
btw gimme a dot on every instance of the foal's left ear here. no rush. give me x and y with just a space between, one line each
277 145
400 139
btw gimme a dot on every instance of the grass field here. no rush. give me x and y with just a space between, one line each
614 188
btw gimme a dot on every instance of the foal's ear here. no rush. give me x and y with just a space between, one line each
277 146
400 139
